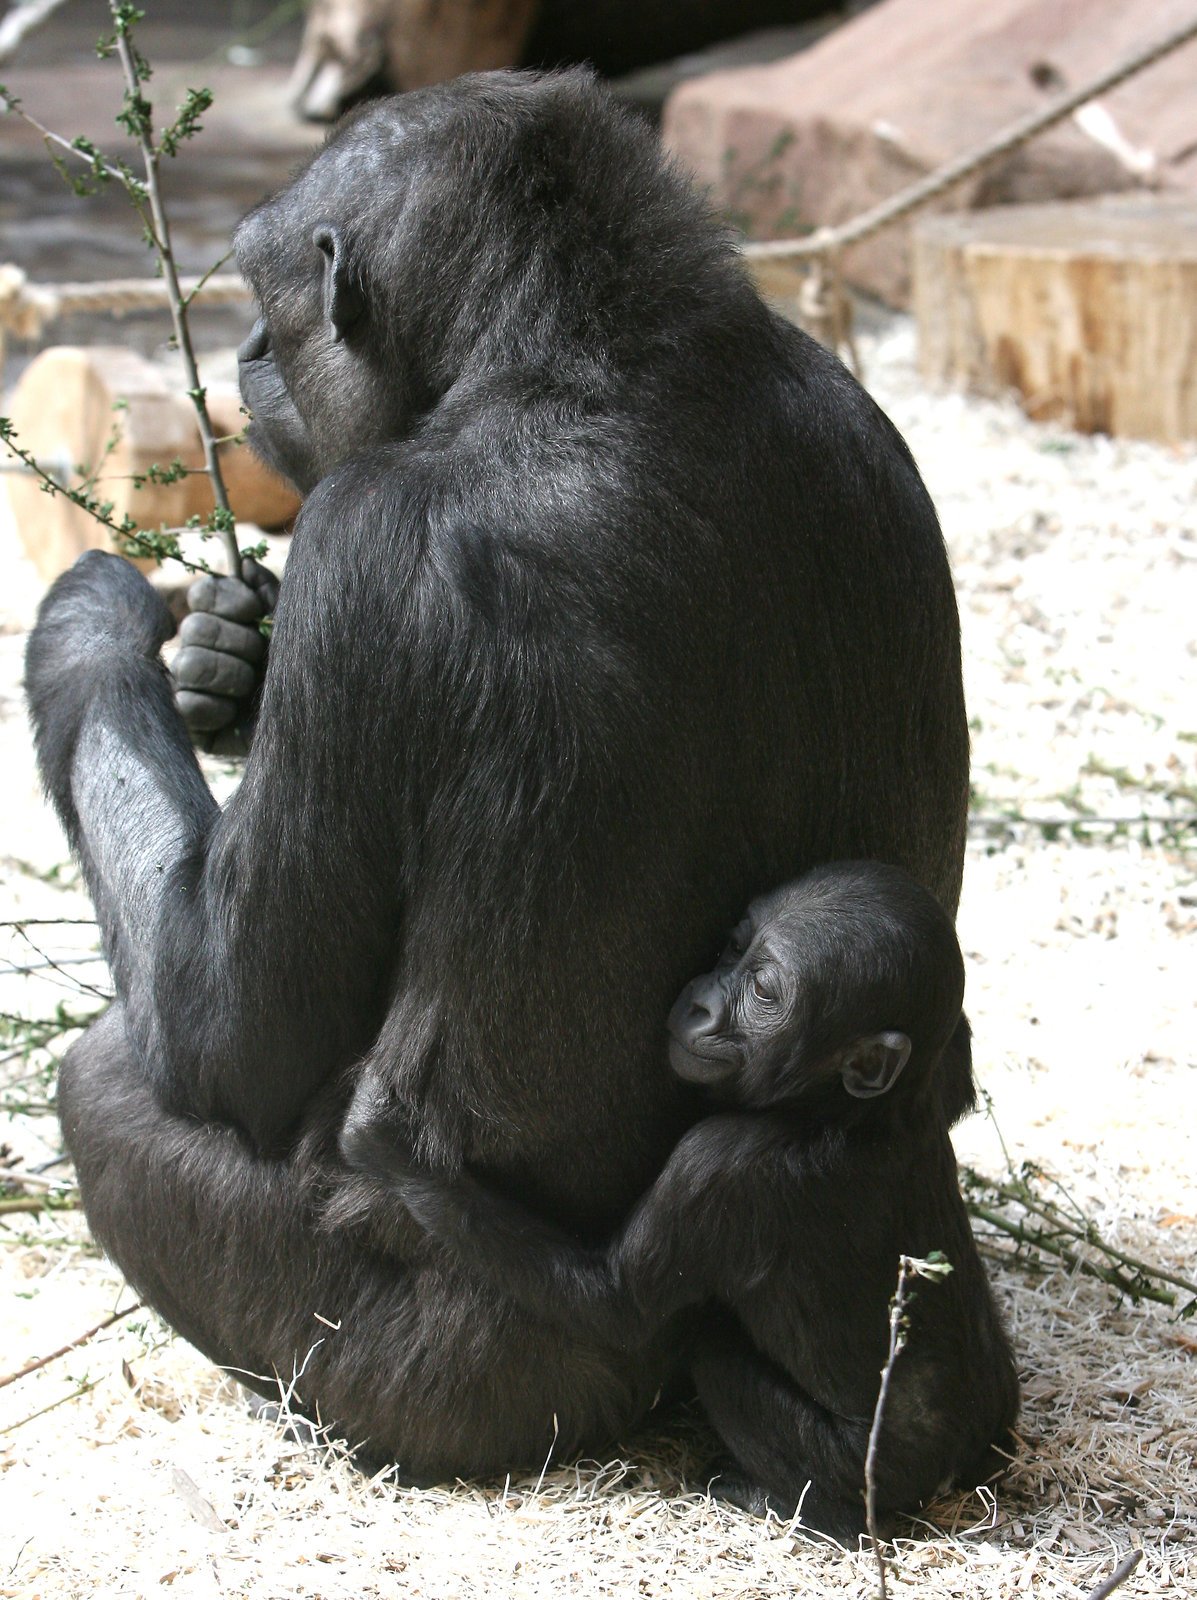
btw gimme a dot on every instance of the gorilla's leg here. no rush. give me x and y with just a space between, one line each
790 1451
241 999
409 1359
203 1227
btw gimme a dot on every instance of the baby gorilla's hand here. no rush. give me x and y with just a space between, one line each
378 1142
384 1151
222 651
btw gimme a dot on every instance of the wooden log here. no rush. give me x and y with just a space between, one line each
1087 310
107 410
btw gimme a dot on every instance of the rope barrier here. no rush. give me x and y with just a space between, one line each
935 183
26 309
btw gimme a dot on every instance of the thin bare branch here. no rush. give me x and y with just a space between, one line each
75 983
1118 1577
65 1350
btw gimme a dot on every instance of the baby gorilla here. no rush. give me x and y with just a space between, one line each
831 1030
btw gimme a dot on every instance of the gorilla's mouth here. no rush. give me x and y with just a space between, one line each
692 1067
256 345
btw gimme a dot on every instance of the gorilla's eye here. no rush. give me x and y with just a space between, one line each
762 988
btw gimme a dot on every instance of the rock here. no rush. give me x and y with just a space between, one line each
897 91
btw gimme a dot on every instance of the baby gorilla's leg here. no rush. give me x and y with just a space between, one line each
789 1452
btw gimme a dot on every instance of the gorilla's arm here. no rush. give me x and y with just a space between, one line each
705 1229
248 946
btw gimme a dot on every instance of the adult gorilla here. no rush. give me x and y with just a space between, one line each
613 602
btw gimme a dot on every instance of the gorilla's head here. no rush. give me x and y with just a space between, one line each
829 991
448 236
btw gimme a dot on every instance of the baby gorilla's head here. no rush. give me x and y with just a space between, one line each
829 991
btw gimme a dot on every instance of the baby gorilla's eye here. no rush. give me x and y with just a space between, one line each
762 988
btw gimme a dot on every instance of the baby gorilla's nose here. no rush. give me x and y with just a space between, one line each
699 1048
700 1011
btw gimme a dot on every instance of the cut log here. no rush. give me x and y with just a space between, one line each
109 411
908 85
1088 311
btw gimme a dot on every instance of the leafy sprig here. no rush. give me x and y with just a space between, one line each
93 170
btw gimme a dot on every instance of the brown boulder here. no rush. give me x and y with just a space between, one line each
909 84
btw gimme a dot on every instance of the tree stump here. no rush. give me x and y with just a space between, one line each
108 411
1088 310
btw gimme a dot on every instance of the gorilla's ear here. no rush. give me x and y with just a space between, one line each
871 1066
344 302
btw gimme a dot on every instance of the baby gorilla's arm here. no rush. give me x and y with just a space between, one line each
672 1252
542 1268
546 1272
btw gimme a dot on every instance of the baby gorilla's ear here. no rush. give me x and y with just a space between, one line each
871 1066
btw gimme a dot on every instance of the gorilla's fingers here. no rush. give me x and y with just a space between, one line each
214 672
205 713
262 581
210 632
226 597
222 650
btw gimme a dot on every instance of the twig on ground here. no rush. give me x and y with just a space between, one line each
12 969
935 1267
1058 1235
65 1350
40 1202
19 1178
48 922
74 983
1119 1576
52 1026
76 1394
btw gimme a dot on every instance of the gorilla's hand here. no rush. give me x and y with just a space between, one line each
440 1200
222 653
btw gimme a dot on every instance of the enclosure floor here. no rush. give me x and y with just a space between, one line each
1076 565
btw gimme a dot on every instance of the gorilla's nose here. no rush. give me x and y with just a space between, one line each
697 1013
257 344
700 1017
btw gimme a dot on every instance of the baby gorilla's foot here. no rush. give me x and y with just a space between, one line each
726 1480
292 1426
841 1520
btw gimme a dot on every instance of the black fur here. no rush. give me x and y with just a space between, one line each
832 1021
613 602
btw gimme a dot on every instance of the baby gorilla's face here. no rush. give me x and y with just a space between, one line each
798 1010
734 1028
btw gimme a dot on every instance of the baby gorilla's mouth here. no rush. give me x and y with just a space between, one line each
705 1068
